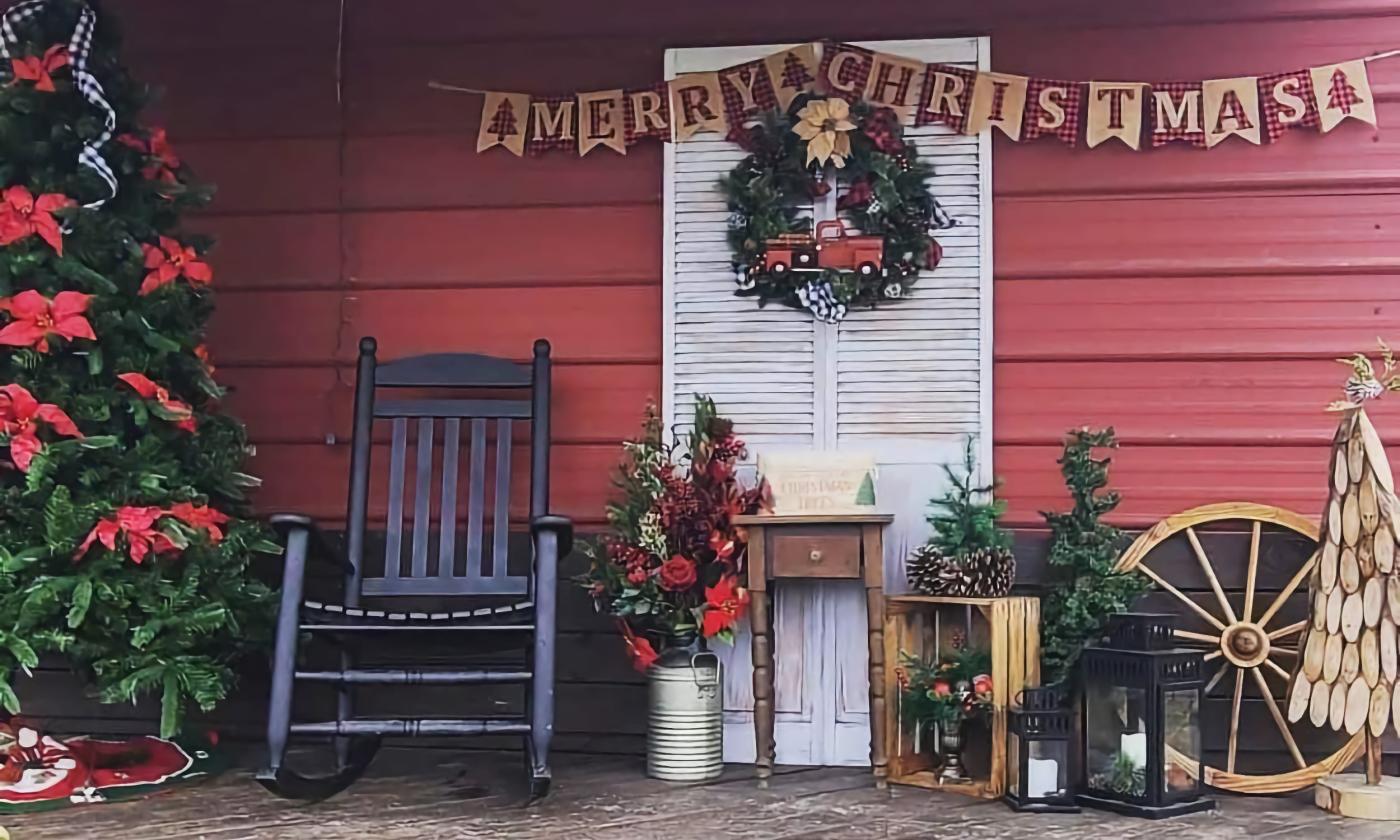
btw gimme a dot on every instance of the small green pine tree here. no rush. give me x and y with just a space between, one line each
1084 590
965 518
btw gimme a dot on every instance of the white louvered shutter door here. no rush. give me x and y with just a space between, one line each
906 382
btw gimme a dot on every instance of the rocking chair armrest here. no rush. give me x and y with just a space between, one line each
319 542
562 526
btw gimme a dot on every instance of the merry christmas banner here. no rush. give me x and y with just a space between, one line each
1138 114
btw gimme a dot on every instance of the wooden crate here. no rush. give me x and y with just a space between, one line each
925 626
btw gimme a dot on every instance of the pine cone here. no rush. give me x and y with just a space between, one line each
981 573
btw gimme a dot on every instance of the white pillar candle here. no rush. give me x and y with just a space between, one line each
1134 746
1042 777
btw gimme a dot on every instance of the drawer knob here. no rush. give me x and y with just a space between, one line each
816 556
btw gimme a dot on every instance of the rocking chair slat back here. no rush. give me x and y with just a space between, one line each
438 428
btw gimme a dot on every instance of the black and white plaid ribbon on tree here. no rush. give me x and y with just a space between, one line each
79 47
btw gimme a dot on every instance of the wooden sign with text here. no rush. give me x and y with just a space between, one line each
819 482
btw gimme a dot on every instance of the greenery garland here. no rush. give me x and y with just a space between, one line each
885 195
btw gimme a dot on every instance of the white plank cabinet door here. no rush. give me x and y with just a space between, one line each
907 382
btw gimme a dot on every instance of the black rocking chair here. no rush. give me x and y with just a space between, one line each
502 609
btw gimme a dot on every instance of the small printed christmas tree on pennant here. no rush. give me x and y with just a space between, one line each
1340 94
121 483
503 123
1342 91
1346 677
795 73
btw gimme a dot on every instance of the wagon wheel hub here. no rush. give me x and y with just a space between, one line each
1245 644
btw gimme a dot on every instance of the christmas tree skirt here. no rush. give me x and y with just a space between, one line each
107 771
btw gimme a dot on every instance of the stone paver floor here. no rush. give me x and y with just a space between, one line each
440 794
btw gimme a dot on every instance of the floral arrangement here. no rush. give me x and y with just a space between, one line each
947 691
669 568
883 192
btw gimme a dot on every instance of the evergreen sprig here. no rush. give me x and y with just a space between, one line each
174 623
1083 590
965 517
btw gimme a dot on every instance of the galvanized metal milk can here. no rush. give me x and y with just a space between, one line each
685 730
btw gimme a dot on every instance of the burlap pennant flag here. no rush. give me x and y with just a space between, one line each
503 121
1286 101
601 121
553 123
1231 109
1341 91
696 105
1053 107
1176 113
893 83
747 91
1114 111
845 70
946 96
792 71
647 113
998 99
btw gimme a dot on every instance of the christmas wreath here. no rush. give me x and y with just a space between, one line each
883 192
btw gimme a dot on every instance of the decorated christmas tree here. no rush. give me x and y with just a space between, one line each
121 545
1346 678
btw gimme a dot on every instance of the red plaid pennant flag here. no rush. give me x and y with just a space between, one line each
946 96
1053 107
553 124
844 70
1177 113
747 90
1288 101
647 113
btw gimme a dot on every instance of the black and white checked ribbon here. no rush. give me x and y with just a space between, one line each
819 297
79 46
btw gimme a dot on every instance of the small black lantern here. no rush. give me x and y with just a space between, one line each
1039 729
1142 732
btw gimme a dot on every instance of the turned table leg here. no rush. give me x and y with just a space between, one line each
874 562
761 628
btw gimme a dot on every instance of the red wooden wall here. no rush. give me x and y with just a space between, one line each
1192 299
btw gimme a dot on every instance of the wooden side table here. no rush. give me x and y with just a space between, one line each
815 546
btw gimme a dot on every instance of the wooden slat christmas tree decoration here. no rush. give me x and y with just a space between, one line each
1346 678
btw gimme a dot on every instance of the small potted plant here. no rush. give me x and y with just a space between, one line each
946 693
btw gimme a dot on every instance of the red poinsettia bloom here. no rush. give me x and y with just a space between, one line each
201 352
171 260
200 516
722 546
638 648
677 574
19 416
162 158
137 524
178 412
36 317
39 70
725 603
24 215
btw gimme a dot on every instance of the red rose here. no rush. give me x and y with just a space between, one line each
677 573
982 684
942 688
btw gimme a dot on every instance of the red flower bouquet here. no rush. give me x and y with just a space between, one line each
671 567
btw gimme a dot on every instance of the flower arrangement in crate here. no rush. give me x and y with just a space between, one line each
669 568
947 691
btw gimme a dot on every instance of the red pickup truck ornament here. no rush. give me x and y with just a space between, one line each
831 248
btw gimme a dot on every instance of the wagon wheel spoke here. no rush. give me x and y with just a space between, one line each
1219 675
1251 575
1278 718
1235 721
1276 668
1288 591
1181 596
1293 652
1209 571
1292 629
1198 637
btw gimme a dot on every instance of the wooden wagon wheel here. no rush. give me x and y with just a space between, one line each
1244 642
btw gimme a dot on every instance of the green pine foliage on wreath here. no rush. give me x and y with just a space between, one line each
886 195
121 484
1083 590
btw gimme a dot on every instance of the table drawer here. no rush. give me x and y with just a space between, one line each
814 552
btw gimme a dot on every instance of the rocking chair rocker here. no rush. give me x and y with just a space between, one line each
519 608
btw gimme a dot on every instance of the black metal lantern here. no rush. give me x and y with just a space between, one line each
1142 733
1039 729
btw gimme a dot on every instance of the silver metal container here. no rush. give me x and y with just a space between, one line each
685 729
